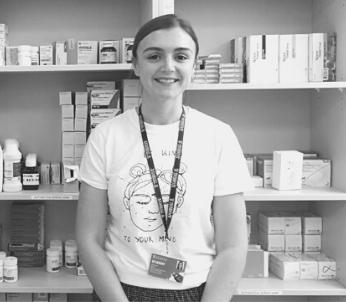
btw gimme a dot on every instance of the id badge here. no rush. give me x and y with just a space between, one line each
164 267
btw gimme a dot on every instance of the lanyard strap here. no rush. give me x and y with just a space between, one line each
175 170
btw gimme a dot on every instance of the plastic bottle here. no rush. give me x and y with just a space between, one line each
2 258
30 173
1 168
12 166
56 243
53 264
71 254
10 269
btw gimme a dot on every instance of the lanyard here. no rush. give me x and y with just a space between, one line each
175 170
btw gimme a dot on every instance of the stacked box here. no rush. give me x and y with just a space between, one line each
326 266
322 57
284 266
82 52
109 52
3 43
238 54
126 50
312 230
60 53
27 233
293 58
199 75
262 61
230 73
211 66
46 54
131 94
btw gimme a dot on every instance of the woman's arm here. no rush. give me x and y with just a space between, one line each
231 247
90 234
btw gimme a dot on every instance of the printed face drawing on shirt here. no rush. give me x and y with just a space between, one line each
140 200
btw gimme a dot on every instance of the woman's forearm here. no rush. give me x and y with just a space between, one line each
101 272
225 274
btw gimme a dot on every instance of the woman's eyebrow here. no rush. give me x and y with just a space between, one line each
152 48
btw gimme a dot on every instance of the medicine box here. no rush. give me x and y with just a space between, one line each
60 52
311 224
79 137
308 266
81 98
104 98
326 266
250 159
68 138
130 102
109 52
78 150
284 266
293 58
67 124
329 60
55 175
57 297
280 223
81 111
19 297
293 243
100 85
264 168
103 113
67 111
272 243
317 172
65 98
257 263
71 45
312 243
126 50
131 88
40 297
287 170
316 55
46 54
257 181
80 124
67 150
262 61
45 173
87 52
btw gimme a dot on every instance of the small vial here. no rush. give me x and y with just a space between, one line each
30 173
56 243
53 265
10 269
71 254
2 258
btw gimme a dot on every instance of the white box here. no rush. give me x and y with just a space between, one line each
130 102
264 168
284 266
67 150
78 150
308 266
287 170
326 266
103 113
60 52
81 111
71 45
250 161
293 243
81 98
19 297
293 58
100 85
109 52
46 54
67 111
262 59
104 98
80 124
67 124
257 263
132 88
87 52
68 138
257 181
126 50
65 98
271 223
35 55
56 297
12 55
79 138
272 243
316 55
312 243
311 224
317 172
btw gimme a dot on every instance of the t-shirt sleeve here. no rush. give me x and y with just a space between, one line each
93 167
232 174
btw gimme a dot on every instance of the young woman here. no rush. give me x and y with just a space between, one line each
172 178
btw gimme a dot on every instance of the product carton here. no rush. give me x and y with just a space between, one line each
257 181
126 50
46 54
308 266
104 99
67 124
312 224
287 170
67 150
293 58
109 52
65 98
81 111
60 52
130 102
79 137
87 52
317 172
56 297
280 223
312 243
264 168
68 138
329 60
284 266
81 98
78 150
80 124
131 88
293 243
262 61
272 243
316 55
100 85
19 297
71 45
67 111
326 266
250 160
257 263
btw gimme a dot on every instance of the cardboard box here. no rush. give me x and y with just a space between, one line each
100 85
12 55
46 54
79 138
80 124
272 243
71 51
65 98
67 150
311 224
45 173
56 297
250 161
264 168
257 263
67 124
329 59
257 181
317 172
262 61
284 266
87 52
68 138
316 56
60 52
293 243
55 175
126 50
78 150
312 243
280 223
308 266
81 98
19 297
67 111
287 170
81 111
293 58
109 52
326 266
104 99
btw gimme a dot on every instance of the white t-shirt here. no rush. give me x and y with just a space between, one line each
212 164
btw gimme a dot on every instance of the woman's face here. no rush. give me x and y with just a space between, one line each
165 60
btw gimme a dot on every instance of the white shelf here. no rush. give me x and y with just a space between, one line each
38 280
266 194
45 192
275 286
248 86
59 68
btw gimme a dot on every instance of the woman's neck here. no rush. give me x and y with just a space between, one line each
161 114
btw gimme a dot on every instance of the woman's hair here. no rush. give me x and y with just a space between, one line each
163 22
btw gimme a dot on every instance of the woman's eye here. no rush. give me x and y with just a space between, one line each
182 57
153 57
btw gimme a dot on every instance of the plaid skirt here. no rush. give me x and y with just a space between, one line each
142 294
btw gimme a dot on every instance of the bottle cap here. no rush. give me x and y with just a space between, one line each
52 251
11 144
2 255
31 160
56 243
10 261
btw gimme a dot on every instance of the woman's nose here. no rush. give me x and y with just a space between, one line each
168 63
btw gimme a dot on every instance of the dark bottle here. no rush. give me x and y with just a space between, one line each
30 173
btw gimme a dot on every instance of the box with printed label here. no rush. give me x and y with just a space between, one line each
317 172
270 223
284 266
312 224
293 58
257 263
100 85
250 159
87 52
109 52
329 59
81 111
326 266
60 52
287 170
257 181
71 45
67 150
312 243
67 124
264 168
68 138
262 61
104 98
316 55
272 243
81 98
126 50
65 98
103 113
79 138
308 266
46 54
67 111
78 150
19 297
80 124
293 243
